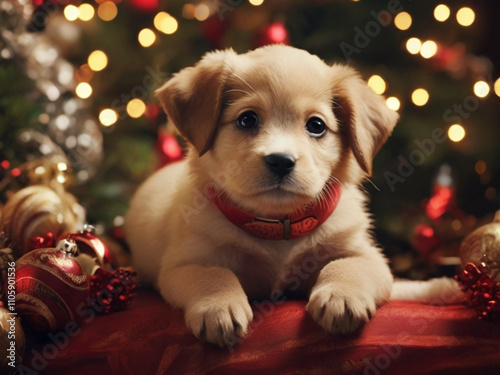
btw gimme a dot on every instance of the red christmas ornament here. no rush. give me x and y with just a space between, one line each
41 242
275 33
90 244
152 112
145 5
111 291
169 149
214 31
51 287
425 239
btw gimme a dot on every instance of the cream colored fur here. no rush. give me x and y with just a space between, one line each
205 265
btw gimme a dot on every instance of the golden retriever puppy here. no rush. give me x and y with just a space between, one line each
267 203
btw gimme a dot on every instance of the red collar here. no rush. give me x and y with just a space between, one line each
291 226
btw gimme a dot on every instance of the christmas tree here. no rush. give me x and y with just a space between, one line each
77 81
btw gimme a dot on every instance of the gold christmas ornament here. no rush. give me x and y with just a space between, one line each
483 246
36 210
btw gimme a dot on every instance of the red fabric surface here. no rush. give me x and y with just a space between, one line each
150 338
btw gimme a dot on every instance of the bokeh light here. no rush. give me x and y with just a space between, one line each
71 12
377 84
201 12
441 12
413 45
465 16
428 49
420 97
456 133
393 103
108 117
97 60
146 37
481 89
136 108
86 12
496 87
107 11
165 23
403 21
83 90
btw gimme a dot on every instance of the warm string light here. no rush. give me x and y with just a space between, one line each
481 89
256 2
496 87
108 117
86 12
83 90
413 45
393 103
428 49
403 21
465 16
165 23
136 108
377 84
441 12
107 11
456 133
71 13
202 12
420 97
146 37
97 60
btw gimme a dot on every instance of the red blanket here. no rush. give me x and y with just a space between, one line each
150 338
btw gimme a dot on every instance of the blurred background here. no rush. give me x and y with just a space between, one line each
77 106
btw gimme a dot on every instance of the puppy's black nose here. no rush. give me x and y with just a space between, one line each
280 164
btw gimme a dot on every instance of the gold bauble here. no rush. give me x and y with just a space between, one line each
483 246
36 210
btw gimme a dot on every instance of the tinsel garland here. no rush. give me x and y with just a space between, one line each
111 291
481 292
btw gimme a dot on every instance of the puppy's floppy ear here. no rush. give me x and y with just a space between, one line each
192 98
363 115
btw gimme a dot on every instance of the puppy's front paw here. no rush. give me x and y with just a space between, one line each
340 309
219 321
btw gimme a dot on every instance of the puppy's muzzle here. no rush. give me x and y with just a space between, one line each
280 164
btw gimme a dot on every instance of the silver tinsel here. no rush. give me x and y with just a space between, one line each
65 126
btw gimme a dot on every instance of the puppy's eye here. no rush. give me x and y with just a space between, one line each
248 120
315 127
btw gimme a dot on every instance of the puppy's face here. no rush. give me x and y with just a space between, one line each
275 125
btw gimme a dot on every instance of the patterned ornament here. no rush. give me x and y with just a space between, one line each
88 243
111 291
37 210
480 278
12 342
483 246
51 287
